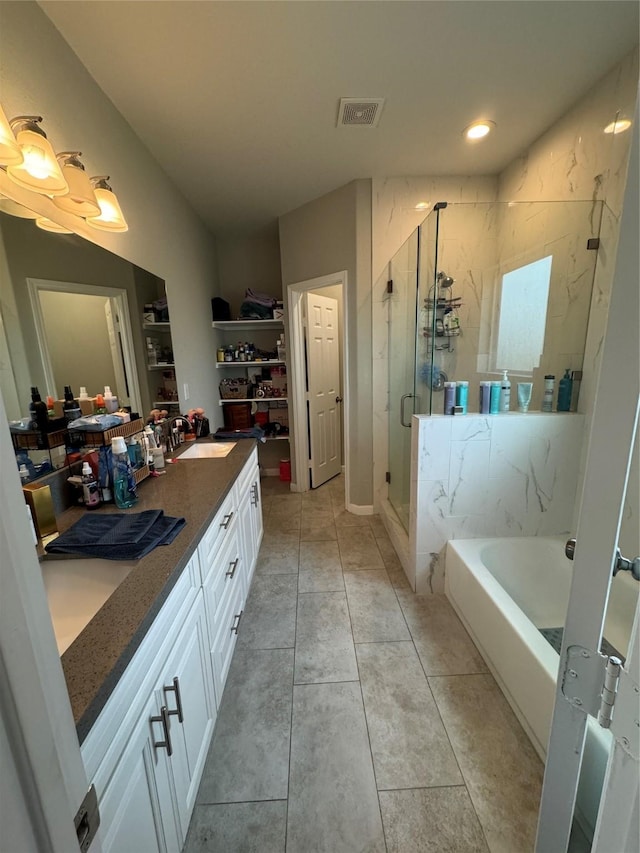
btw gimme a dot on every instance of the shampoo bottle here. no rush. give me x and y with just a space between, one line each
505 393
124 486
90 488
547 399
110 400
565 389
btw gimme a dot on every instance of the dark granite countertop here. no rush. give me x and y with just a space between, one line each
94 662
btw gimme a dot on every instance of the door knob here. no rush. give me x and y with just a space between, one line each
338 399
570 548
621 564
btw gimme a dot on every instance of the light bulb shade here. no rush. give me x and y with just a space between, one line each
10 154
81 198
39 170
8 205
111 218
50 225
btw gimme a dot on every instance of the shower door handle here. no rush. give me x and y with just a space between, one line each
402 399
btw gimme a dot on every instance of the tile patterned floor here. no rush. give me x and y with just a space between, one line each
357 716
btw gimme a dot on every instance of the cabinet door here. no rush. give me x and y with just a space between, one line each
256 516
137 813
224 639
186 688
247 538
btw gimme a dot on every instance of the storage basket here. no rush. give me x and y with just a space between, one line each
234 389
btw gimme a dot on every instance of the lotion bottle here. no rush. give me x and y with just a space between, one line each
110 401
505 393
90 488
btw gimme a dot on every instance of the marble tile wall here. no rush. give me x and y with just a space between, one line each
479 476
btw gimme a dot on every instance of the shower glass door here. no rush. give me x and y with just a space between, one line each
403 271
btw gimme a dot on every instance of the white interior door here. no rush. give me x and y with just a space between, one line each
581 673
115 342
323 387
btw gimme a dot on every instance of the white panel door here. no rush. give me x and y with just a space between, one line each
580 678
323 388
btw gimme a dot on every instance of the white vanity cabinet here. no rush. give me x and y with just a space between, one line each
146 751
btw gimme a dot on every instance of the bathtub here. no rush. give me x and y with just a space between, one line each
504 591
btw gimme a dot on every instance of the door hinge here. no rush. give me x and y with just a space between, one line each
387 476
594 683
390 286
87 819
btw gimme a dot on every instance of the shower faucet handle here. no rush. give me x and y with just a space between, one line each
570 549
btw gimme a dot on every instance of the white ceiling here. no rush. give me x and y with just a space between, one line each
238 100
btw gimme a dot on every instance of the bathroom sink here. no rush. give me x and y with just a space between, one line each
208 450
76 590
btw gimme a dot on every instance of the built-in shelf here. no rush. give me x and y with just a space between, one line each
157 403
247 325
267 362
160 366
277 438
158 326
255 400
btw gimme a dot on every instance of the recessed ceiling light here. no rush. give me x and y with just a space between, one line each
479 129
618 126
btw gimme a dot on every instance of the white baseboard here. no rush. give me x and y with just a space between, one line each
360 509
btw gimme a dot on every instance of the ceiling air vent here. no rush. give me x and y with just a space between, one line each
361 112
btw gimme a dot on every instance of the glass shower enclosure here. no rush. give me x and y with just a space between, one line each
479 288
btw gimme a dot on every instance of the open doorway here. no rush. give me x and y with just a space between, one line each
319 389
84 337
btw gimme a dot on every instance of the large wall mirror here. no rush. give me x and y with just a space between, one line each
70 314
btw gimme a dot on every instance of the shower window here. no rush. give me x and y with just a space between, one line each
521 317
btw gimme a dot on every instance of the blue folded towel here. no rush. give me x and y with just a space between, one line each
118 536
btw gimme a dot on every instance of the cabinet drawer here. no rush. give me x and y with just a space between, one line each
217 532
224 640
226 573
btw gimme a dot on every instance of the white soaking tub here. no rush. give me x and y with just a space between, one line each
505 591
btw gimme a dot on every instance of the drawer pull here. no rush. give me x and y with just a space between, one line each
232 568
227 521
175 688
164 719
255 500
236 625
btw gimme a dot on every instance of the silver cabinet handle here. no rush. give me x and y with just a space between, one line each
402 399
227 521
256 495
164 719
236 625
232 568
175 688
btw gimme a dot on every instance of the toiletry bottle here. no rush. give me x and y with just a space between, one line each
90 488
462 395
494 398
565 388
449 397
100 407
38 412
505 393
24 474
70 406
151 444
110 400
485 397
83 393
547 399
124 489
51 412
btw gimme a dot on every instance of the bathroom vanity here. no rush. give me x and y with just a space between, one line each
146 675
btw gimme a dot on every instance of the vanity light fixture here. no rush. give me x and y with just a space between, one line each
618 126
39 170
8 205
81 199
110 218
10 154
49 225
479 129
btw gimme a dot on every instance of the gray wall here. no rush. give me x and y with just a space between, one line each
325 236
165 235
253 261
